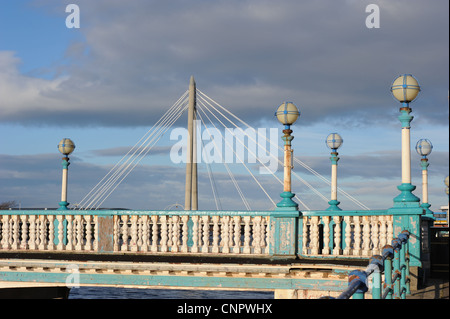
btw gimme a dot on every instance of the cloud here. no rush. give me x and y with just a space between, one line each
250 56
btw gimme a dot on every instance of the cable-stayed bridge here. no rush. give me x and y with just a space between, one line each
289 249
212 118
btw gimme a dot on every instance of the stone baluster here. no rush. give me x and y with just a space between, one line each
144 233
195 237
42 232
70 237
390 229
5 231
51 232
247 229
155 233
264 233
164 237
225 234
205 222
60 245
116 233
175 233
348 235
88 220
257 220
79 229
237 234
305 235
215 247
124 246
25 234
315 235
337 235
366 236
383 231
15 232
96 239
185 234
134 233
326 235
169 232
357 236
375 235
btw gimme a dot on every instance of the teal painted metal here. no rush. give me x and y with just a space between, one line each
393 261
178 281
405 117
287 203
333 206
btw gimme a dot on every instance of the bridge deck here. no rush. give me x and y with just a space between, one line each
324 277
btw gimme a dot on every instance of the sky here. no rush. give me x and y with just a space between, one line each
106 83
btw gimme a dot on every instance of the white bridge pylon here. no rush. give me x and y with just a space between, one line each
207 112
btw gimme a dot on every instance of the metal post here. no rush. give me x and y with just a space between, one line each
63 204
387 255
403 272
376 263
397 273
287 138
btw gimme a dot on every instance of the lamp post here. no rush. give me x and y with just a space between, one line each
287 114
405 89
424 148
334 141
66 147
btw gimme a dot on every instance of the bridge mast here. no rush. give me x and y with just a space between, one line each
191 195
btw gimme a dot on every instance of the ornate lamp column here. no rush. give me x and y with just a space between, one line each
424 148
284 220
405 89
287 114
334 141
406 210
66 147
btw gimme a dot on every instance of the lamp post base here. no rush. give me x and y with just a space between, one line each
406 196
333 205
63 205
287 203
428 213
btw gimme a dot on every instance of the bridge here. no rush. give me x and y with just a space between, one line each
297 253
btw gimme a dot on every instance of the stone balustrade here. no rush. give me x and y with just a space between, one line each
319 233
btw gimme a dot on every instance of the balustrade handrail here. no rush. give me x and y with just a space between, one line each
394 261
137 212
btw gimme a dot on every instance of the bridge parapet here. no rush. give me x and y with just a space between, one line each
319 234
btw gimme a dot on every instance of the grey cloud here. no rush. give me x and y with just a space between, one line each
248 55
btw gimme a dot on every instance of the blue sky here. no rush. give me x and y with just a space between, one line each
105 84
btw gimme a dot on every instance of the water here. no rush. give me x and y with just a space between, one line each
136 293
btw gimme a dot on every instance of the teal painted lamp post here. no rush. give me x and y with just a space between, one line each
287 114
405 89
334 141
424 148
66 147
406 210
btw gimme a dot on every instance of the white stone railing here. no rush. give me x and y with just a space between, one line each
148 232
319 233
345 233
216 234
